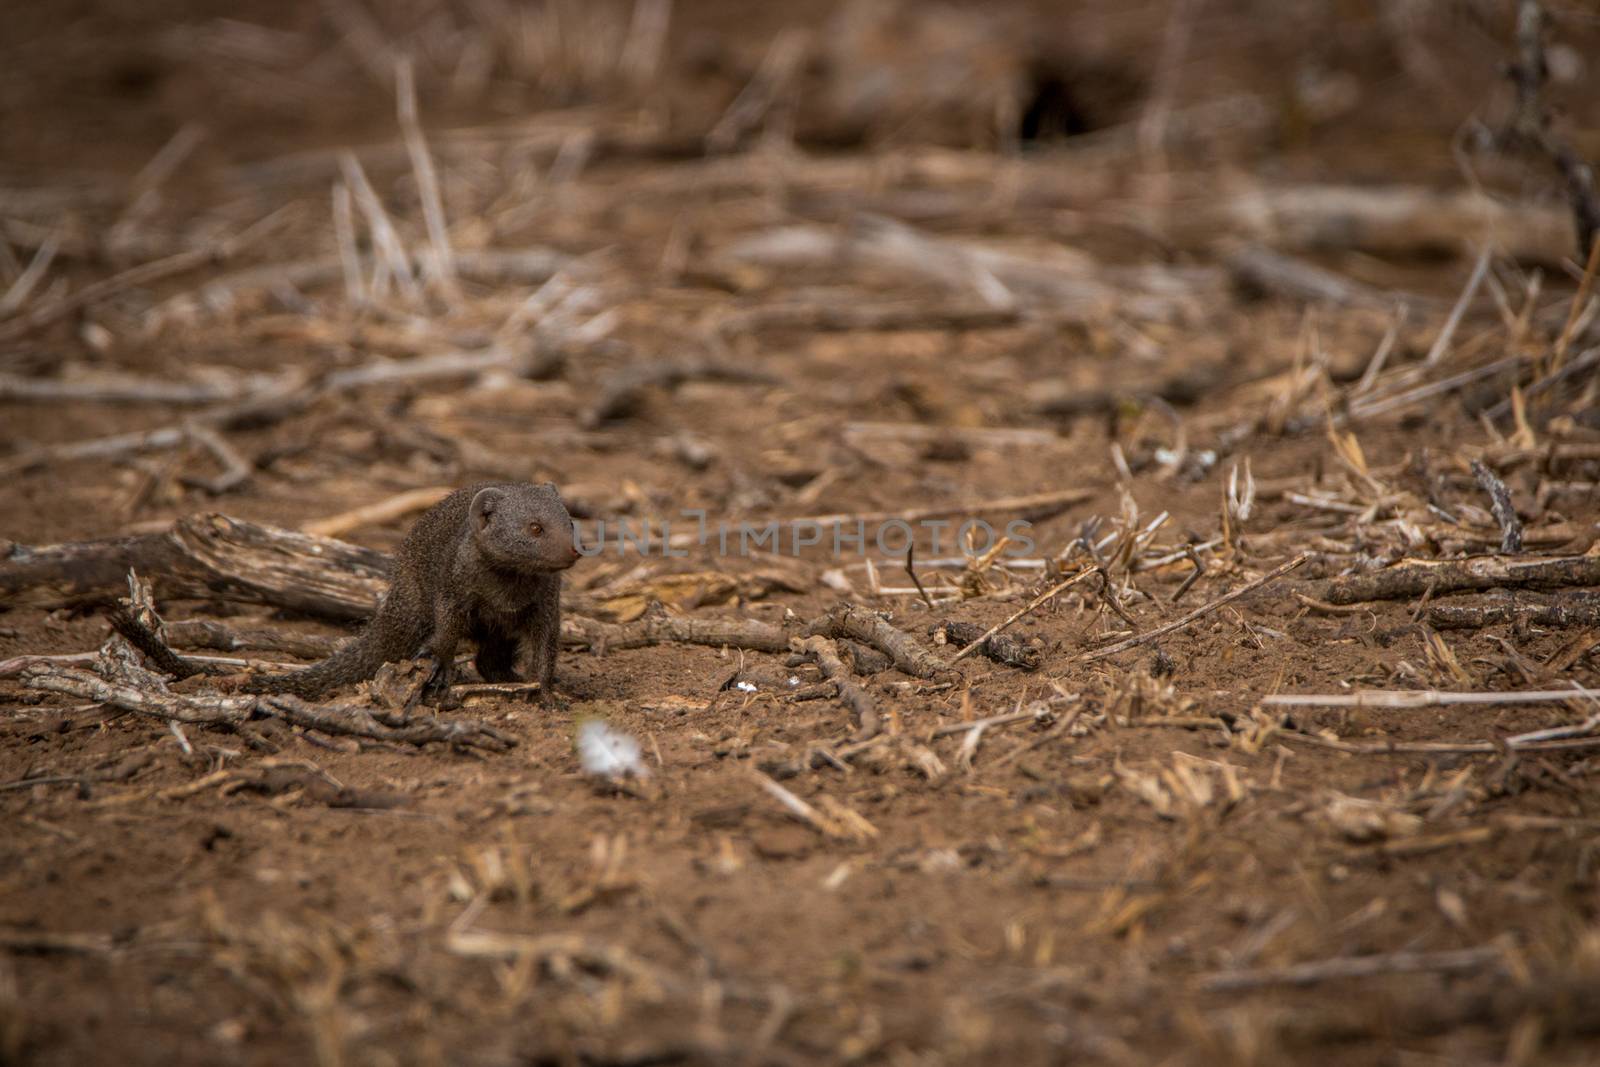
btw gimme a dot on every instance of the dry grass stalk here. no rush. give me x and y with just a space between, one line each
42 315
441 260
839 822
16 295
1441 343
391 263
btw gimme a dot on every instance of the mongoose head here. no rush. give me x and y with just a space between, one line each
523 528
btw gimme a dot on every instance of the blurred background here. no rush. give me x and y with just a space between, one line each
1357 89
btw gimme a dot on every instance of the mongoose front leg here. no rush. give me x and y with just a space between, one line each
448 623
544 638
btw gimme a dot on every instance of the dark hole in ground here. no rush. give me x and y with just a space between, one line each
134 78
1052 111
1071 97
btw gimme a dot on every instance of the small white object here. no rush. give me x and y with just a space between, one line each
609 753
834 578
794 680
745 687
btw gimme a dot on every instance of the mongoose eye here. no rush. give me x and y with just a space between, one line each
536 529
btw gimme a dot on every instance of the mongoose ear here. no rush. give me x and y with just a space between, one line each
483 505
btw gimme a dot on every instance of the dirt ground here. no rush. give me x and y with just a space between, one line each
1028 272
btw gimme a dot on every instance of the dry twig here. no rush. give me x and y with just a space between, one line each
851 695
1197 613
1411 578
346 719
1029 608
1504 512
865 626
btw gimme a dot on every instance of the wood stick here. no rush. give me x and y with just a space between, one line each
15 664
1005 719
1002 648
1578 452
146 185
1260 269
1380 357
1394 220
1036 505
348 719
1308 974
43 942
490 265
282 399
771 80
1423 698
908 656
851 695
1580 300
1504 512
824 824
981 436
200 557
837 317
383 511
236 470
751 634
1042 598
1569 370
1555 733
1566 609
1532 123
55 310
1033 502
271 405
1197 613
626 389
1411 578
156 651
121 389
389 249
1434 748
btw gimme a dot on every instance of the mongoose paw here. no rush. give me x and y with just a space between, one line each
435 690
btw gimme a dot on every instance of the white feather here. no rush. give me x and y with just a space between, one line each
608 752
